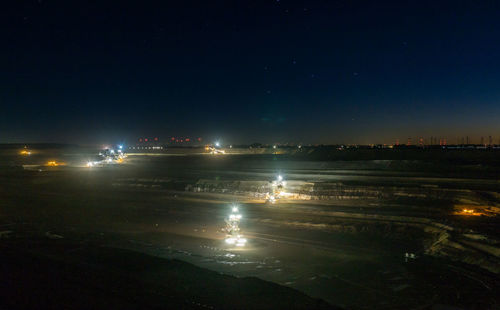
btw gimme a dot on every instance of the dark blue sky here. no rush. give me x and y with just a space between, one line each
246 71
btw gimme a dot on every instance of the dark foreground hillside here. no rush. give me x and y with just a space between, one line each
55 274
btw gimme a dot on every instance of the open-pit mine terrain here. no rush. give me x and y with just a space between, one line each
358 234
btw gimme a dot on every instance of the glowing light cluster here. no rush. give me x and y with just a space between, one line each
235 217
109 156
271 199
277 187
232 229
238 241
470 212
54 163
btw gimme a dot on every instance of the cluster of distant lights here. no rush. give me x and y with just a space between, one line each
235 216
108 160
172 139
273 197
54 163
238 239
146 147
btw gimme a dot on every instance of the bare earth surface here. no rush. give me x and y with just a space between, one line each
340 235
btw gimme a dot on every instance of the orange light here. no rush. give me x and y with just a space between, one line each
54 164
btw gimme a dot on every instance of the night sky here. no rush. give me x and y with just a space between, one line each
249 71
